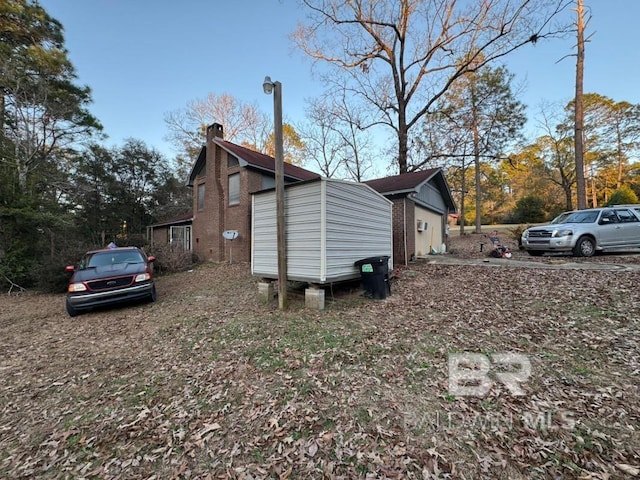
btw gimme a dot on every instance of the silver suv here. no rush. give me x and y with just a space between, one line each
584 232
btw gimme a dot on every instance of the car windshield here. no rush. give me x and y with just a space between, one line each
582 217
103 259
560 218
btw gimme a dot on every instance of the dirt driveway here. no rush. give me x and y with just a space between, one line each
209 383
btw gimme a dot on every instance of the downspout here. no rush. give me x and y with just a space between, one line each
404 229
446 234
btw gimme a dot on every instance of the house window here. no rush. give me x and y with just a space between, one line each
232 161
200 197
234 189
180 237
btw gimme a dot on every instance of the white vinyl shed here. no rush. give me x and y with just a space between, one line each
330 224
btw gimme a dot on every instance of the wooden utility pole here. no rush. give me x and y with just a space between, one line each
579 111
281 233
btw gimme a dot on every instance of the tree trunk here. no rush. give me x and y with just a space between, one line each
476 161
463 186
620 156
2 108
403 145
579 111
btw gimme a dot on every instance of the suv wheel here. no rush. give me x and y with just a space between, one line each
70 310
585 247
153 295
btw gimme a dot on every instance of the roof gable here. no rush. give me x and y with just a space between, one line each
403 183
261 161
251 159
197 166
412 182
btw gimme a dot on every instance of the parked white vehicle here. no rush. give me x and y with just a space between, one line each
584 232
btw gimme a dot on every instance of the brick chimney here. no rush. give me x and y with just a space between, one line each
214 130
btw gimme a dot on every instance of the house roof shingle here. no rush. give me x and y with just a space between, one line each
405 182
265 162
252 159
183 218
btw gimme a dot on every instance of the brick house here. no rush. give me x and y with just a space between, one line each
422 202
223 178
174 231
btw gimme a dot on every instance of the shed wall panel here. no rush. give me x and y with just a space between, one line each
358 225
304 229
264 254
330 224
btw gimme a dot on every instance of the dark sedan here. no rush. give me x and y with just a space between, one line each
110 276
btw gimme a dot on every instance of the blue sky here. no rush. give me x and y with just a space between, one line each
143 58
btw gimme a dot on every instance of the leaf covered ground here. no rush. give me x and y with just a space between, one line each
210 383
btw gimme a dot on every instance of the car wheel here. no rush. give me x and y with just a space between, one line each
153 295
585 247
70 310
535 253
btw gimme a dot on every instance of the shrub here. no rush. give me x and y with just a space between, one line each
516 233
624 195
17 265
171 259
529 209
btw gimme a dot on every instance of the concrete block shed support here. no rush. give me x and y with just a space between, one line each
266 292
314 297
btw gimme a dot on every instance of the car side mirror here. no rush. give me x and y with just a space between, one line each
151 259
604 220
69 269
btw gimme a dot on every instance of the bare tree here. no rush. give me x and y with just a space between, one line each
243 123
400 57
554 147
323 145
334 139
579 109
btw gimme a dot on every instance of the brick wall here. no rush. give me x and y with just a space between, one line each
208 224
404 239
159 236
238 217
410 227
217 215
398 217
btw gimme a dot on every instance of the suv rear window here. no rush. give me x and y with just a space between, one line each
626 216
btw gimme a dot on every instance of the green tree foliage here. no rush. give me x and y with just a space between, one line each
624 195
120 191
529 209
42 110
43 113
611 142
477 118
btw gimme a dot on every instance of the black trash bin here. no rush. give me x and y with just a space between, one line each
374 272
